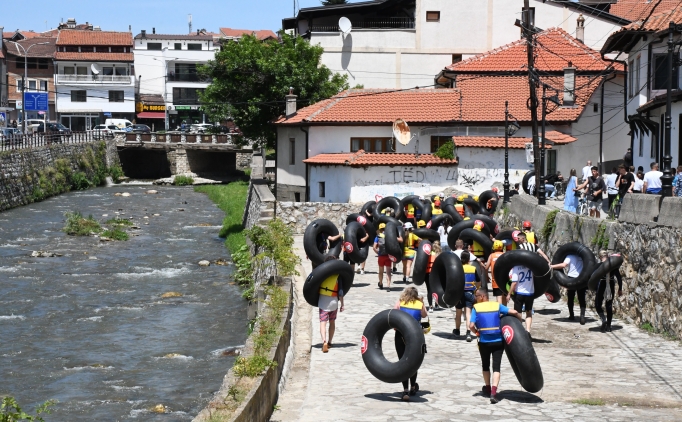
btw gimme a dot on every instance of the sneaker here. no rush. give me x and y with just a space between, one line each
325 347
603 327
405 280
608 328
406 395
493 398
381 285
485 390
571 317
469 338
395 270
455 332
431 309
362 272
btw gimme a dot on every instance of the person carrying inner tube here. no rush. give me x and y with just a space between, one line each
485 323
498 250
523 243
379 248
435 251
443 231
478 250
575 267
330 296
459 206
346 256
436 208
322 241
605 290
523 284
409 213
471 283
409 250
530 235
413 304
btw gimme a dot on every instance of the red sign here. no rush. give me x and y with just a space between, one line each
362 220
497 228
427 248
508 334
428 225
392 258
435 297
549 297
363 345
348 247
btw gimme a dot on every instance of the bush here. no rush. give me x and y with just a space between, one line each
116 173
115 234
79 181
275 242
230 198
77 225
183 181
446 151
11 412
119 222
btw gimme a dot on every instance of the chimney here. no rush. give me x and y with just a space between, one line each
144 33
153 30
291 103
580 29
569 85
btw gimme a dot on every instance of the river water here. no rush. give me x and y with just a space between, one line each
90 328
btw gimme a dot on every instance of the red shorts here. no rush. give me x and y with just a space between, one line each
327 315
385 261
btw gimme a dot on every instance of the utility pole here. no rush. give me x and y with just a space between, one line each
667 178
529 33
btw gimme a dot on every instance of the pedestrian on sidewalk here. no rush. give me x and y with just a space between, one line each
514 190
612 181
471 283
595 188
605 290
331 294
486 324
459 248
652 180
587 171
413 304
572 197
435 251
523 285
498 250
379 248
575 266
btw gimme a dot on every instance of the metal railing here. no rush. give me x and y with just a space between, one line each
388 23
36 140
187 77
179 138
91 79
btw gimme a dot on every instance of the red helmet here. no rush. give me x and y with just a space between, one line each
495 190
526 224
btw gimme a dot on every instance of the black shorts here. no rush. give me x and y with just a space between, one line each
494 349
498 292
520 300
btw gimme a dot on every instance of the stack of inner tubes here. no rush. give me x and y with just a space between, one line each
471 207
537 264
448 207
471 235
355 250
428 234
446 280
311 287
438 221
410 199
483 202
366 224
373 356
521 355
421 261
589 263
613 262
310 241
388 202
457 229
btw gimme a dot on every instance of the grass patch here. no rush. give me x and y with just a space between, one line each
119 222
183 181
550 225
230 198
601 238
590 402
115 234
77 225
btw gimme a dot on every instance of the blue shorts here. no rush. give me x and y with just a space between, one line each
467 300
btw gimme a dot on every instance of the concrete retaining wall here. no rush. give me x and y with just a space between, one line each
298 215
652 288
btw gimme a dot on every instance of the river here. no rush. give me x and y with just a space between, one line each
90 329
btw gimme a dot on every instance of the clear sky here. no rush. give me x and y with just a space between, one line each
167 16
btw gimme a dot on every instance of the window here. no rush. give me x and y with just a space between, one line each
69 70
20 62
19 85
71 49
178 46
43 85
595 107
191 46
551 162
43 63
320 189
115 96
638 68
81 70
186 96
78 96
660 72
186 72
371 145
292 151
153 46
641 146
117 49
456 58
437 141
432 16
32 84
631 78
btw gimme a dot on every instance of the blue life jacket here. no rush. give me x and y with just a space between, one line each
469 277
413 308
488 321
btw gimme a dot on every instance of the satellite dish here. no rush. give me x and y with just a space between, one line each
95 69
401 132
345 26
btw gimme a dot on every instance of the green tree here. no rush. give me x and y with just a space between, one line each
331 2
251 79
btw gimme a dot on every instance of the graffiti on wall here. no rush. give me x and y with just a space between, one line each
395 176
476 175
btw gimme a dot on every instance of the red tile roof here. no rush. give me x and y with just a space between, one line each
261 34
36 45
362 159
559 138
80 37
514 143
637 10
556 48
657 21
103 57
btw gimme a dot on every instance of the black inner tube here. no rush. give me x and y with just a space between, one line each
447 280
421 261
310 241
553 293
355 250
456 230
410 199
472 235
429 234
589 263
388 202
473 205
366 223
490 223
537 264
368 207
373 355
485 197
439 220
613 262
524 181
426 210
519 350
394 248
311 287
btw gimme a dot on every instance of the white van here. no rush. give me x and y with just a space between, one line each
123 124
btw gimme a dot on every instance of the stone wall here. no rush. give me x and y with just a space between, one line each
298 215
20 169
652 288
244 160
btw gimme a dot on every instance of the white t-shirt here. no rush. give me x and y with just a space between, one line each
639 184
328 303
587 172
458 252
575 265
611 187
653 179
524 277
443 235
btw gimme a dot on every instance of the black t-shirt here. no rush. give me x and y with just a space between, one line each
551 179
513 192
625 181
596 184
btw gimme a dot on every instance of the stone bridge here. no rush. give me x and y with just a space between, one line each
154 156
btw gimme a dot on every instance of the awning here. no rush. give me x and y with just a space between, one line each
151 115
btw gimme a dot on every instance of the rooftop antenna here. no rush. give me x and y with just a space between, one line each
190 23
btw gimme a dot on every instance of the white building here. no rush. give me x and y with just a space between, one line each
645 48
94 77
403 43
167 65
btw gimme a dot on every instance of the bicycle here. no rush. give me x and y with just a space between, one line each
582 206
559 193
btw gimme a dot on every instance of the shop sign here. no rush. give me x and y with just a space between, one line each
140 107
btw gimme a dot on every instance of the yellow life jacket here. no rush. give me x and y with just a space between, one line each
413 308
437 211
530 237
478 249
410 242
330 286
488 317
409 211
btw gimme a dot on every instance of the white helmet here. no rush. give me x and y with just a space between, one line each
442 195
408 226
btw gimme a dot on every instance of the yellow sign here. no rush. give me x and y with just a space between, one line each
140 107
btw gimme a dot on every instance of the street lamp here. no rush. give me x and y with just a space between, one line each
510 129
23 82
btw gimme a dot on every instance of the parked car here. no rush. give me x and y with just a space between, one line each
10 136
32 125
200 128
54 131
141 129
103 131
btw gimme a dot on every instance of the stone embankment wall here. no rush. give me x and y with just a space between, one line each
298 215
649 240
21 170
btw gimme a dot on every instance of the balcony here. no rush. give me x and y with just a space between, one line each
187 77
387 23
93 79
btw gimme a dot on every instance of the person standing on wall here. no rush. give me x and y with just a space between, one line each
626 183
571 198
612 181
595 188
652 180
627 158
575 266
